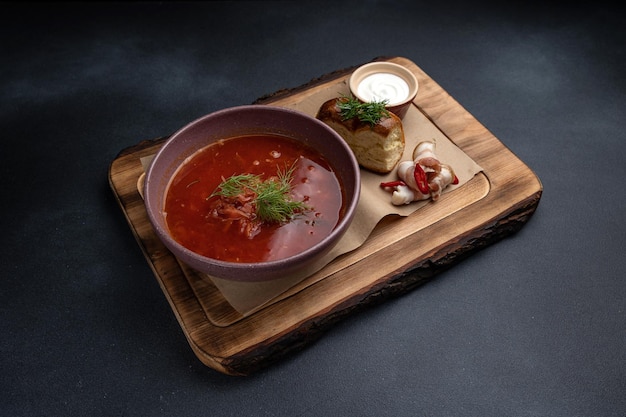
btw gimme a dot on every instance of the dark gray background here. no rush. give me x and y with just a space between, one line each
534 325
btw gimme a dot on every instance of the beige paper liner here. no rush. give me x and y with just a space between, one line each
374 204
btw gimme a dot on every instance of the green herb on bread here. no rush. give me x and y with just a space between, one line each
369 112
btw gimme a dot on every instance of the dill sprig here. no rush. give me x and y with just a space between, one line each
235 185
369 112
273 200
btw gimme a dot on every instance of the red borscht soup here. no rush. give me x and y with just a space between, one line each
190 208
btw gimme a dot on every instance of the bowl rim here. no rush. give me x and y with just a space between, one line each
281 264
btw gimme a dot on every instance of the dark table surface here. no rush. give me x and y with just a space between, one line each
534 325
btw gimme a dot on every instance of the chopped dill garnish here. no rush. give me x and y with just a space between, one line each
236 184
272 196
369 112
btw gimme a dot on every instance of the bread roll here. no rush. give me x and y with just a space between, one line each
378 147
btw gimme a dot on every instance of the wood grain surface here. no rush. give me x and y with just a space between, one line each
494 204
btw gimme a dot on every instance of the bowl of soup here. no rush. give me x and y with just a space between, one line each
252 193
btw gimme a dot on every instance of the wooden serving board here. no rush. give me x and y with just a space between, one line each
399 255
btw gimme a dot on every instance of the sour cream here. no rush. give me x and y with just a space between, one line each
383 86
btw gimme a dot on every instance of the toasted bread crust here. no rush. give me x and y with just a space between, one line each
377 148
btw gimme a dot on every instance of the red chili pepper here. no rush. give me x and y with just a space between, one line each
455 180
420 179
392 184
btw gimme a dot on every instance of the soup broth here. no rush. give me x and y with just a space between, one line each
188 210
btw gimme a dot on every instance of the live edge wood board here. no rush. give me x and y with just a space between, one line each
495 204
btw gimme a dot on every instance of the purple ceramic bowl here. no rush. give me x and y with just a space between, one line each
242 120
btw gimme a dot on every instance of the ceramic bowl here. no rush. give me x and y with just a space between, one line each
379 81
247 120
